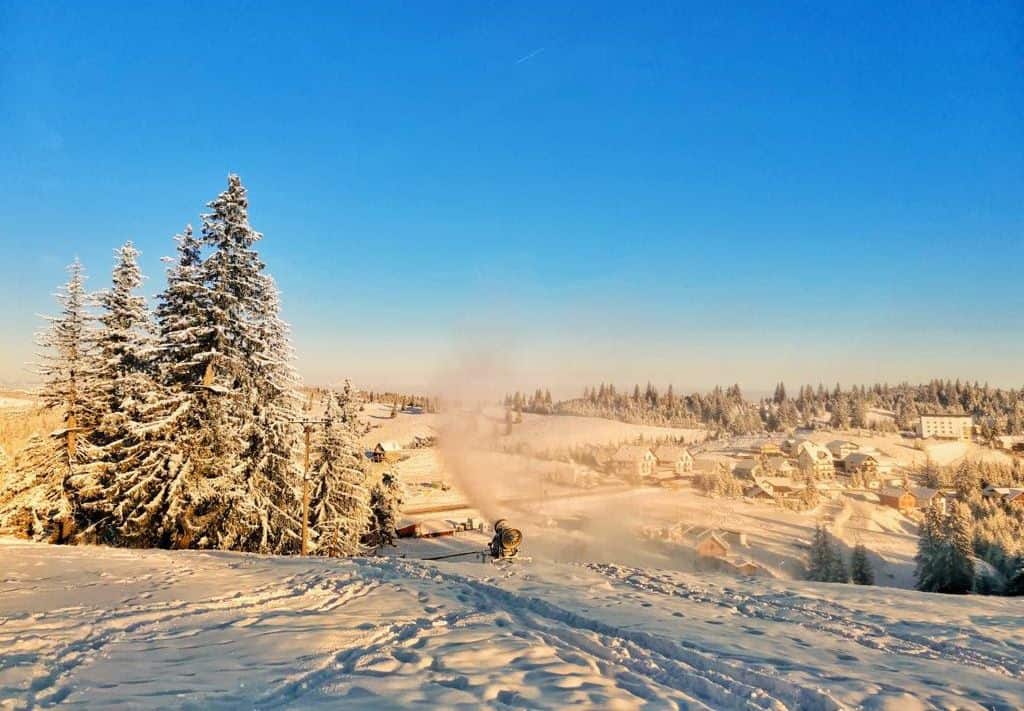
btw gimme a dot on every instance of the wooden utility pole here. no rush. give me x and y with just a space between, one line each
307 431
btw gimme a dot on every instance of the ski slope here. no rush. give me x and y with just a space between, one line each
104 628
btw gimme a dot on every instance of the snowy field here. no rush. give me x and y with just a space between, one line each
103 628
12 401
538 431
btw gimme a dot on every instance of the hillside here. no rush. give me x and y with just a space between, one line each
105 628
538 431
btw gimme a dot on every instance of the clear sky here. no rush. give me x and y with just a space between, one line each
544 193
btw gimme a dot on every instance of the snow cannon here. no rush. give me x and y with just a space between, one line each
505 543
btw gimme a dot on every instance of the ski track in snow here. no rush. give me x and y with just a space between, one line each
648 659
821 615
645 672
194 630
139 618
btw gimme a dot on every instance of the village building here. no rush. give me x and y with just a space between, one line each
1010 443
387 451
909 499
899 499
748 469
783 485
884 464
633 461
760 491
945 426
678 459
877 416
861 463
780 466
1006 494
711 545
927 497
815 459
841 449
891 481
800 445
995 492
769 449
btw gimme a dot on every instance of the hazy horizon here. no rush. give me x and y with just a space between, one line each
544 196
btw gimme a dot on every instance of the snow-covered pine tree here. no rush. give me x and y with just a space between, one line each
46 499
959 549
339 511
270 435
238 491
837 572
841 413
66 358
929 571
861 571
34 502
819 562
183 443
185 335
825 561
1015 584
122 374
124 344
385 503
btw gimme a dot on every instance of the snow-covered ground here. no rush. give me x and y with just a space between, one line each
538 431
104 628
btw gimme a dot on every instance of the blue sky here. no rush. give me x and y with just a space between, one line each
544 193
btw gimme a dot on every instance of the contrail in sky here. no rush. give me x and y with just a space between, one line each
531 55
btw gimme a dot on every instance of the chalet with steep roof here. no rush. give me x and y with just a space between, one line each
841 449
633 461
815 459
712 545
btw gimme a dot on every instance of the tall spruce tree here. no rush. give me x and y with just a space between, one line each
46 503
240 491
819 563
837 572
123 383
1015 583
959 549
930 573
825 561
221 441
169 496
339 508
185 335
124 346
861 571
385 502
270 432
